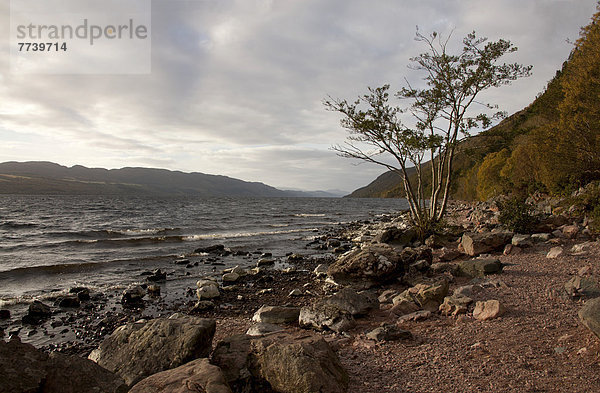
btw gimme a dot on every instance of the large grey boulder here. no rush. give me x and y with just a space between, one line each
480 267
478 243
356 303
23 368
276 314
137 350
193 377
280 362
590 315
396 236
326 316
367 266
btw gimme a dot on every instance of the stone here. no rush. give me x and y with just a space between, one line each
415 316
262 329
570 231
479 243
154 290
540 237
36 313
295 293
589 315
265 262
389 332
443 267
280 362
23 368
193 377
356 303
522 241
83 293
207 289
137 350
509 249
230 277
133 296
478 268
326 316
488 309
157 275
214 249
583 287
429 296
421 265
69 301
202 305
395 236
554 252
276 314
580 249
4 314
387 296
321 270
403 306
448 254
455 305
368 266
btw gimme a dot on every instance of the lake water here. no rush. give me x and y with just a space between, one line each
50 243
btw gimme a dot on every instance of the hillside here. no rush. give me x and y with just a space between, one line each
471 151
47 178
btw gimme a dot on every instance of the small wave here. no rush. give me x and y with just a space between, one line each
17 225
309 215
113 233
246 234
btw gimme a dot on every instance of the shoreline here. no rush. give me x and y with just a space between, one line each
536 344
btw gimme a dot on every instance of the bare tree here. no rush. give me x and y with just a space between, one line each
439 114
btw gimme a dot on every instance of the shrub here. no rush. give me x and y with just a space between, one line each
517 215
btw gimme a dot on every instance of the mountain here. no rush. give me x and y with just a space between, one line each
48 178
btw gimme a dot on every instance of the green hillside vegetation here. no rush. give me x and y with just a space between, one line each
552 146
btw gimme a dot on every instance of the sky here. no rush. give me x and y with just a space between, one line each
236 86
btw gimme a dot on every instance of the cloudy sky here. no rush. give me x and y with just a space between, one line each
236 86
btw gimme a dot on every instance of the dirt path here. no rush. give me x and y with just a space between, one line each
538 345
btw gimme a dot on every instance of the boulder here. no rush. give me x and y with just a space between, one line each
37 312
396 236
583 287
133 296
455 305
325 316
262 329
480 267
443 267
429 296
193 377
389 332
540 237
157 275
23 368
522 241
554 252
202 305
448 254
69 301
403 306
415 316
356 303
230 277
138 350
214 249
207 289
570 231
474 244
276 314
365 267
280 362
590 315
488 310
387 295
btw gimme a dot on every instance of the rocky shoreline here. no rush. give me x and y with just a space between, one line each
377 311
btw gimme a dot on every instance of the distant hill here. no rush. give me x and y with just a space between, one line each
48 178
